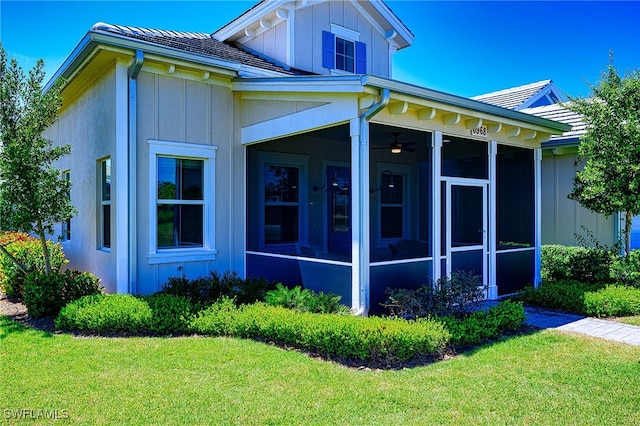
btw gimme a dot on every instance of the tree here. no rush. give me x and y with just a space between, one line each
33 198
609 151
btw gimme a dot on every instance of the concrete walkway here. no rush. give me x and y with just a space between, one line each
604 329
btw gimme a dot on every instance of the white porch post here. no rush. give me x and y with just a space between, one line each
436 166
492 272
537 173
359 216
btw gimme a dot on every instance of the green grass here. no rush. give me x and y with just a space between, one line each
633 320
543 378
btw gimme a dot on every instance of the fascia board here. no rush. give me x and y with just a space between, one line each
467 103
395 22
247 18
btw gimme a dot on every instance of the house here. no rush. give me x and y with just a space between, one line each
564 221
280 146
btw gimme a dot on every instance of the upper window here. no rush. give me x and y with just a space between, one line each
181 200
343 52
105 203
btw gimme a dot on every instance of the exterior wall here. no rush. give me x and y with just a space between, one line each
563 218
87 123
185 110
272 43
312 20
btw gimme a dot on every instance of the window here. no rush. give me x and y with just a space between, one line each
635 233
391 206
281 204
105 203
342 51
65 231
181 201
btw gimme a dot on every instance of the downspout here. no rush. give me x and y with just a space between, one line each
132 181
363 203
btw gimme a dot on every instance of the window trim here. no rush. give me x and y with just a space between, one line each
285 160
207 154
329 51
102 203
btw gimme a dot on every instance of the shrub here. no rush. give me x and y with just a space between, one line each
28 251
45 294
456 295
348 337
613 300
305 300
106 313
586 264
626 270
206 290
480 326
563 295
171 314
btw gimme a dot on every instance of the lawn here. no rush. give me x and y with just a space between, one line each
542 378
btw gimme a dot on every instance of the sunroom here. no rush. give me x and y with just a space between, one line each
359 184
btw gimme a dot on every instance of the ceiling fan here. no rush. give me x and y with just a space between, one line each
396 146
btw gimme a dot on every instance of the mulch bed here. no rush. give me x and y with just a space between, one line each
15 309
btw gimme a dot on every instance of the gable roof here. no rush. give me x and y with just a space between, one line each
268 13
529 95
193 42
557 112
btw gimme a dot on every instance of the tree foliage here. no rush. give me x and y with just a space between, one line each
609 151
33 198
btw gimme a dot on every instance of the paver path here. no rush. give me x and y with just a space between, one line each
603 329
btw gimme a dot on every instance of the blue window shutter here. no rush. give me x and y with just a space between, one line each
328 50
361 58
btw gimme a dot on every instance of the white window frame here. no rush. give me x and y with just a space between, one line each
65 227
207 154
102 203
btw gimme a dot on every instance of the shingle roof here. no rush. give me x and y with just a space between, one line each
514 97
557 112
193 42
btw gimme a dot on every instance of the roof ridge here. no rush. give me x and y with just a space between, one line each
149 32
540 83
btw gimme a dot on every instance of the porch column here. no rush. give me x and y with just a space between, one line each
492 272
121 172
360 216
436 165
537 178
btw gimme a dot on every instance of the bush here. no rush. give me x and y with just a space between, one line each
586 264
613 300
564 295
206 290
480 326
305 300
626 270
106 313
28 251
45 294
171 314
347 337
456 295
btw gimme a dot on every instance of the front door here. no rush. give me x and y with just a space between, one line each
338 211
466 227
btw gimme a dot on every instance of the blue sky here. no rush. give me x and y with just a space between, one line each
461 47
